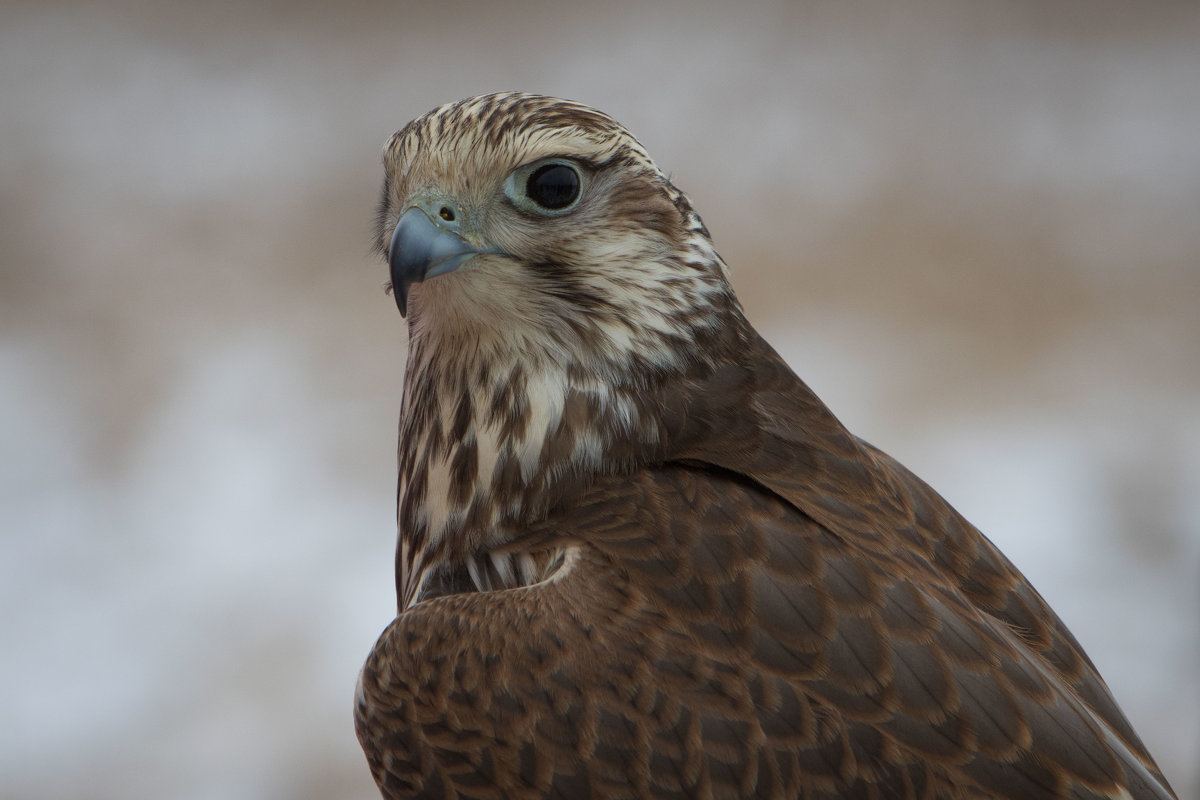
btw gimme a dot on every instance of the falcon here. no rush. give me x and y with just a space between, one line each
638 558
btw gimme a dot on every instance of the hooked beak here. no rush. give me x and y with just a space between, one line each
421 249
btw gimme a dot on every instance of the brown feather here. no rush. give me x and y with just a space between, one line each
640 558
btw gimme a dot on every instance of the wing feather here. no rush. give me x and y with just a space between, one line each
808 666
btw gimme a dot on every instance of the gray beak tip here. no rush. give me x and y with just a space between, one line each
400 295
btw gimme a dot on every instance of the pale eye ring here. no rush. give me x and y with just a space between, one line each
547 187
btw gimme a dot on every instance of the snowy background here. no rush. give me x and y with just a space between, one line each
973 227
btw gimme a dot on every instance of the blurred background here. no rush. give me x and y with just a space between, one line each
972 227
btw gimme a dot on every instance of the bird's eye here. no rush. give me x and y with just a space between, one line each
546 188
553 186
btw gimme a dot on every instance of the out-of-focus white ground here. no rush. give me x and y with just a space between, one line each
971 227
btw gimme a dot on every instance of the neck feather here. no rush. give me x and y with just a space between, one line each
497 430
489 443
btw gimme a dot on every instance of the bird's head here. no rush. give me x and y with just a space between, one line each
519 222
557 288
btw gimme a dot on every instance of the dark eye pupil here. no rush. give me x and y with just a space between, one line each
553 186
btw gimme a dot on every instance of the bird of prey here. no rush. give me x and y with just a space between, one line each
638 557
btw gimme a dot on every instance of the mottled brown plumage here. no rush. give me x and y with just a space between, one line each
639 558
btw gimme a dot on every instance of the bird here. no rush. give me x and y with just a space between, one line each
638 557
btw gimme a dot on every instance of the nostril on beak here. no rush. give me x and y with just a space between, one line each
446 213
